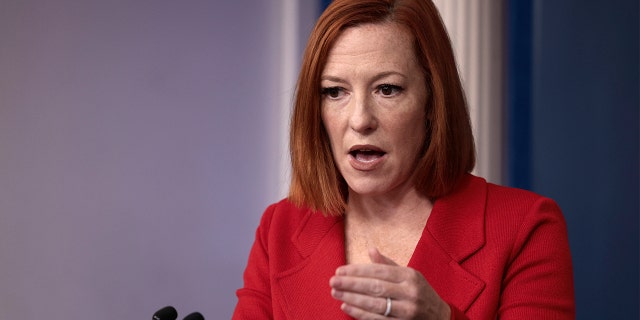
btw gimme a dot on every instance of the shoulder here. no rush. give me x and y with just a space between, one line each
283 208
517 204
285 220
511 197
284 215
505 210
496 199
493 193
290 233
515 216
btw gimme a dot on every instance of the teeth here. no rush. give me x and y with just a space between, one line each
366 156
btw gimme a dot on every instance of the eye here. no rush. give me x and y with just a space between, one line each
389 90
332 92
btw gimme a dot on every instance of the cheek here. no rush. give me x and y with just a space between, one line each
331 125
330 131
412 133
327 128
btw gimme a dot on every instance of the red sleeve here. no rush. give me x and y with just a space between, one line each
254 298
538 280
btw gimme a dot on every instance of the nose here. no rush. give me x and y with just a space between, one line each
362 118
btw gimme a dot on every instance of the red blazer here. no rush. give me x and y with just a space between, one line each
489 251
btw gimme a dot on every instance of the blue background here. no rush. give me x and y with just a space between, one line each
573 136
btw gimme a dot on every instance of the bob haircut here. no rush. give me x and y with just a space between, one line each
449 148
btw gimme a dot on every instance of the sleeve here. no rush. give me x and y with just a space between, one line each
254 298
538 280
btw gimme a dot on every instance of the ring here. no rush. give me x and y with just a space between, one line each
388 311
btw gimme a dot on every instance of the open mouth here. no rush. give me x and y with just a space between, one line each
366 155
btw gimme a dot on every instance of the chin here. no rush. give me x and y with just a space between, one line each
368 188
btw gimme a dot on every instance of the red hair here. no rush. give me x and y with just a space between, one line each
449 149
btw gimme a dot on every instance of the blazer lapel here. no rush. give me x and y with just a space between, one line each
304 288
455 230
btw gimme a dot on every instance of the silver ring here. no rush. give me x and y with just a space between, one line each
388 311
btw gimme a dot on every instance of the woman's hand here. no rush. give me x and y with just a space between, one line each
364 289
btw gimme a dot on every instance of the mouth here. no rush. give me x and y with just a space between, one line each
366 153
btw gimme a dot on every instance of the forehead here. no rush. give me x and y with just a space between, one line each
377 45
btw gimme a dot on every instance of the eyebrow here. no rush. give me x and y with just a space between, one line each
375 78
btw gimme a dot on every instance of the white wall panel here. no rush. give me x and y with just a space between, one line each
476 30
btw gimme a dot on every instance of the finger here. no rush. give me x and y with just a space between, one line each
373 270
375 309
368 286
362 314
377 257
373 288
358 305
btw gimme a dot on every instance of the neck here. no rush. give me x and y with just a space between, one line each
393 225
408 207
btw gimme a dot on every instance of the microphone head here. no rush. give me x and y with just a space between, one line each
194 316
166 313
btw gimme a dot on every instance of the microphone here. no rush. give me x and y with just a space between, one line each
194 316
166 313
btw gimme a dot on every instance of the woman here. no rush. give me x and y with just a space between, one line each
383 218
